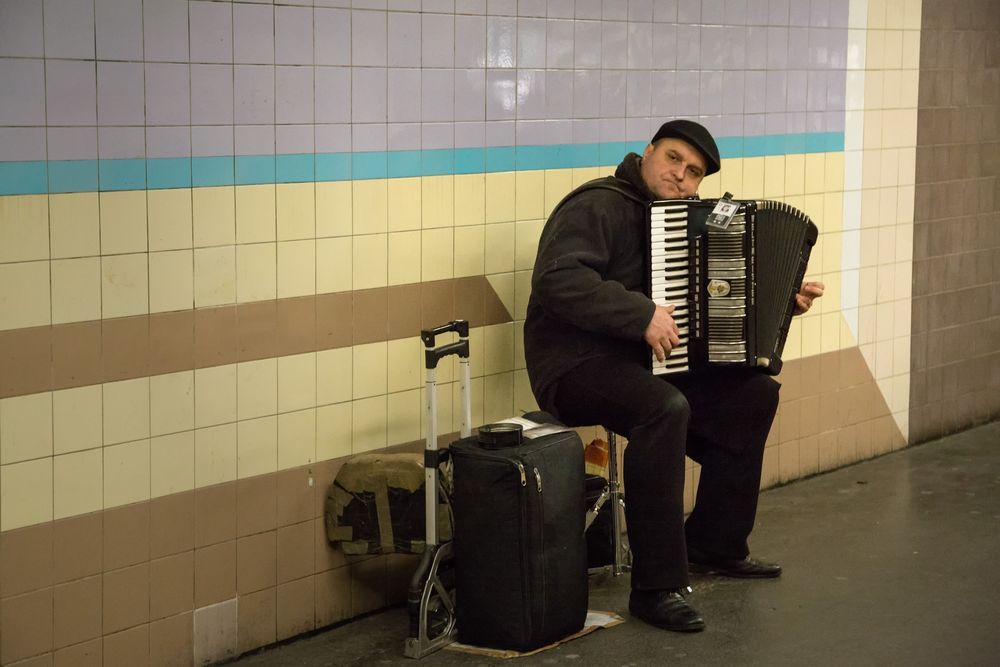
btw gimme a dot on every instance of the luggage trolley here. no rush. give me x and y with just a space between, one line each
431 598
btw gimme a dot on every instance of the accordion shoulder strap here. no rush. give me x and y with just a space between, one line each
624 188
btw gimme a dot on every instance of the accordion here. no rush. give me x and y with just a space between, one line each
733 288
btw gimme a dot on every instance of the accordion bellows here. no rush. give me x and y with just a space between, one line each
733 288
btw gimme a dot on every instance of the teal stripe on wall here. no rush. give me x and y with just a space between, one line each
39 177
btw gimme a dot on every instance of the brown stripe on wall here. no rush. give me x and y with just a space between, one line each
61 356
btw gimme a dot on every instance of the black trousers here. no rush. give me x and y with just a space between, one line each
719 417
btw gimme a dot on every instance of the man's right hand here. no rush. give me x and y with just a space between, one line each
661 332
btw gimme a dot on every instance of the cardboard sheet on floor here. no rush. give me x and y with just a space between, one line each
595 621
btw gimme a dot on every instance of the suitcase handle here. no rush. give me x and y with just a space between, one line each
432 355
459 326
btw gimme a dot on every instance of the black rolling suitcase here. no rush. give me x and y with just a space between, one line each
520 551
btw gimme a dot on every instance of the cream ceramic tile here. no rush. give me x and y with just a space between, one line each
334 209
470 251
171 463
214 455
437 201
215 395
872 134
25 494
753 178
214 216
25 427
77 419
370 369
296 211
731 176
371 207
501 194
793 343
333 431
126 410
437 254
404 257
124 285
892 81
476 352
911 14
370 263
75 224
529 198
901 356
812 335
368 424
403 412
257 446
170 219
815 173
296 268
500 239
334 376
830 332
256 272
334 265
255 213
795 175
24 295
774 176
256 388
902 324
499 348
126 473
583 174
297 382
123 222
902 280
711 187
558 183
24 228
470 199
875 47
78 483
910 83
171 280
498 397
404 364
76 290
907 168
866 325
892 53
503 285
403 201
214 276
526 236
296 438
171 403
522 292
883 364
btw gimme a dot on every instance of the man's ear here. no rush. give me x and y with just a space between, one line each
648 150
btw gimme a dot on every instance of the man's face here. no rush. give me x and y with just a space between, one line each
672 168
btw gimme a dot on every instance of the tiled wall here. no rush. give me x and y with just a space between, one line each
222 225
956 282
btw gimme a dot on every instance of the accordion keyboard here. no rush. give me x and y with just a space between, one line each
670 280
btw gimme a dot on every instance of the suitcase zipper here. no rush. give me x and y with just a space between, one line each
538 479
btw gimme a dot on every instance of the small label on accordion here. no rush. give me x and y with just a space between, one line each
723 213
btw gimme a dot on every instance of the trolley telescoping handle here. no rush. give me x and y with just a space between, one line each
432 457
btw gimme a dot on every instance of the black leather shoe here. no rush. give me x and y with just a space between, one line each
746 568
665 609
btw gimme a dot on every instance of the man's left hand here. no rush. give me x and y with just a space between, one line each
807 294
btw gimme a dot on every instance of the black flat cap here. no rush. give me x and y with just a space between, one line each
696 135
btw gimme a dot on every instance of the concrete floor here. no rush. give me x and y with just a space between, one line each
889 562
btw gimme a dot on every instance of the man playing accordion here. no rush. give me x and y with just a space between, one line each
588 335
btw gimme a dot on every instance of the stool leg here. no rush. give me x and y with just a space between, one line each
620 564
